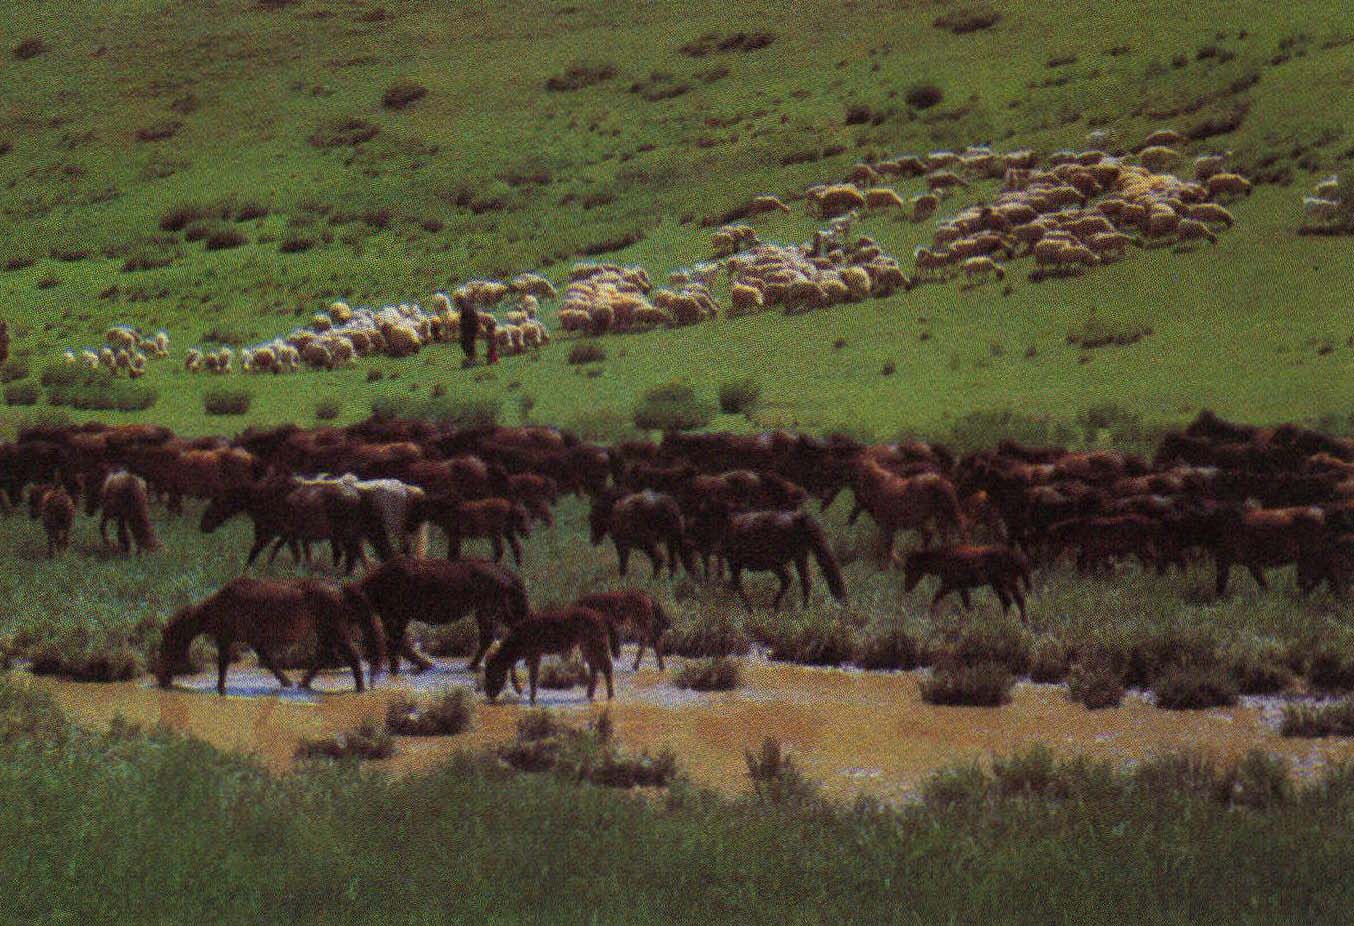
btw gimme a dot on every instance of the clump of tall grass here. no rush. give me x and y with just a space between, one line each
1182 689
1308 720
1096 684
775 777
589 754
447 714
718 673
983 684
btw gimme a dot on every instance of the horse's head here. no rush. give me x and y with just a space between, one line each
495 674
223 506
175 639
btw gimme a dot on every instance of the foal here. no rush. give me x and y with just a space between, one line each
557 631
271 613
57 511
637 608
964 568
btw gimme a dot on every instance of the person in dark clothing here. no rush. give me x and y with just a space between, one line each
4 341
470 330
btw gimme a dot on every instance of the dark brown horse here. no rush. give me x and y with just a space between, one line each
494 519
770 541
1099 541
1262 538
558 631
437 591
284 512
268 614
634 608
537 493
644 521
906 503
962 568
123 499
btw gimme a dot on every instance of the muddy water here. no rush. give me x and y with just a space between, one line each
856 732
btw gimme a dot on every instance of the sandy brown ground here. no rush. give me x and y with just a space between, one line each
856 732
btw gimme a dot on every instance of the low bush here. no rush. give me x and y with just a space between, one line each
817 642
447 714
923 96
22 394
1050 659
775 777
718 673
225 238
710 634
739 396
295 243
83 659
1193 688
369 740
543 744
889 648
1311 720
562 674
350 131
672 407
29 48
1259 668
985 684
327 409
12 370
159 131
226 401
460 412
1095 684
587 352
968 19
403 93
579 75
1004 644
97 390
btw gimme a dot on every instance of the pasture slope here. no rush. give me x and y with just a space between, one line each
224 169
247 122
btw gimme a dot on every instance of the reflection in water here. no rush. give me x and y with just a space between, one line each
854 731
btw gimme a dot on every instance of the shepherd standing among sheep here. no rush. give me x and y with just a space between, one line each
470 329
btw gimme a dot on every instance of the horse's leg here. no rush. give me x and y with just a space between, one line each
124 536
1019 597
349 654
222 661
829 497
856 510
260 541
736 583
421 662
533 673
655 557
516 546
497 541
783 575
1259 575
103 528
277 545
266 660
1224 570
940 593
886 545
623 554
964 597
658 649
486 628
805 583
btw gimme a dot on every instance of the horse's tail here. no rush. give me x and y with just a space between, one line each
373 632
822 551
138 519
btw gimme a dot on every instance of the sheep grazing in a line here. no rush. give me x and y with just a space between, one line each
1164 138
1228 184
833 200
761 205
983 266
883 198
924 206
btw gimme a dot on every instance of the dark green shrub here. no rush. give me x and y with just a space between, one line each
985 684
968 19
327 409
710 634
1096 684
403 93
672 407
890 648
562 674
30 47
822 642
1330 669
369 740
1193 688
923 96
775 777
1259 669
96 390
461 412
718 673
349 131
1003 644
295 243
1049 660
449 713
1309 720
581 74
13 369
739 396
225 238
22 394
226 401
587 352
1260 780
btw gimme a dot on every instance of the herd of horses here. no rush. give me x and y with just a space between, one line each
709 504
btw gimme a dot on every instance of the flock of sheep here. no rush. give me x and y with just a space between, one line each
340 335
1325 207
124 350
608 297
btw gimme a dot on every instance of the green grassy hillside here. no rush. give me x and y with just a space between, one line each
269 122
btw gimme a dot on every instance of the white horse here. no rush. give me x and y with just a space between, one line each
394 500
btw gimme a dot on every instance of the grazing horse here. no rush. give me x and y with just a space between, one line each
494 519
641 520
537 493
285 512
1261 538
640 610
395 502
769 541
1099 541
558 631
123 499
267 614
54 506
962 568
906 503
437 591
